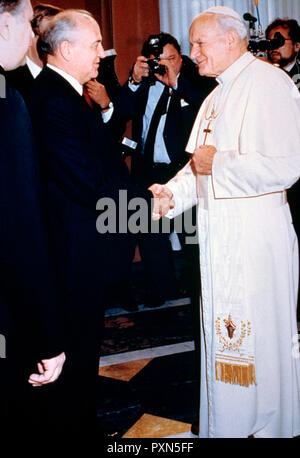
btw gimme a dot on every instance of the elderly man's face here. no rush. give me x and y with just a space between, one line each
208 42
87 51
286 53
20 35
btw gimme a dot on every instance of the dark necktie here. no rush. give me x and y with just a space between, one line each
161 109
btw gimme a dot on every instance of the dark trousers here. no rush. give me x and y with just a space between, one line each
293 195
156 254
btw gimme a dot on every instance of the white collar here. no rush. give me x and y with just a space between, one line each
73 81
34 69
289 67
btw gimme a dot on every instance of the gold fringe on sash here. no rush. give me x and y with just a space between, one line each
243 375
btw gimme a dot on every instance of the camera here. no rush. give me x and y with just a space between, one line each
256 46
257 42
153 46
156 49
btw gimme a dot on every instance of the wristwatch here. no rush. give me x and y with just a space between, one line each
110 105
132 81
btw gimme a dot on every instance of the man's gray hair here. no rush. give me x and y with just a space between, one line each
63 27
230 23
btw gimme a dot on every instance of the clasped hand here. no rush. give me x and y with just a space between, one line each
202 160
49 370
163 201
98 93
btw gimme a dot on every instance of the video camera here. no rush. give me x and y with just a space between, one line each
153 46
257 42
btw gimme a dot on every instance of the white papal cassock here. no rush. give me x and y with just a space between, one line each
250 377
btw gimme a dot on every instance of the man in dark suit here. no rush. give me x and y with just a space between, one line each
22 77
286 57
161 133
80 164
31 320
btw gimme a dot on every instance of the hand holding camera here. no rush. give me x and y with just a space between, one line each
140 69
160 60
169 78
144 68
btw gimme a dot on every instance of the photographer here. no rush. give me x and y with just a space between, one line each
287 55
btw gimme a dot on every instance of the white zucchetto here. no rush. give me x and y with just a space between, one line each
223 10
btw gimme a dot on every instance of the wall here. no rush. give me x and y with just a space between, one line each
133 21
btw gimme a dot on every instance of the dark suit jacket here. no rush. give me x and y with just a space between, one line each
294 192
30 314
22 79
183 108
81 163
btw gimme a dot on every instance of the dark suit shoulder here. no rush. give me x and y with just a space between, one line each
52 95
295 70
13 113
22 79
49 84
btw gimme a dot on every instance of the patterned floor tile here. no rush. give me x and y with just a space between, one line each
150 426
124 371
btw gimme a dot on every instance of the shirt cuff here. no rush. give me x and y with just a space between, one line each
133 87
106 116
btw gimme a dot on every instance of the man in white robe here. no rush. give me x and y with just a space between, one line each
245 148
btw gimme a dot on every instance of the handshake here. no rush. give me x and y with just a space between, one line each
201 164
163 200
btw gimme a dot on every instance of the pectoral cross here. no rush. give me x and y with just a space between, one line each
208 130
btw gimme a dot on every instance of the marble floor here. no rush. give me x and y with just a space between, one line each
148 383
149 373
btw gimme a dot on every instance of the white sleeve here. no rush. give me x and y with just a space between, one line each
183 187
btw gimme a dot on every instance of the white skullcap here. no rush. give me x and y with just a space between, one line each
223 10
